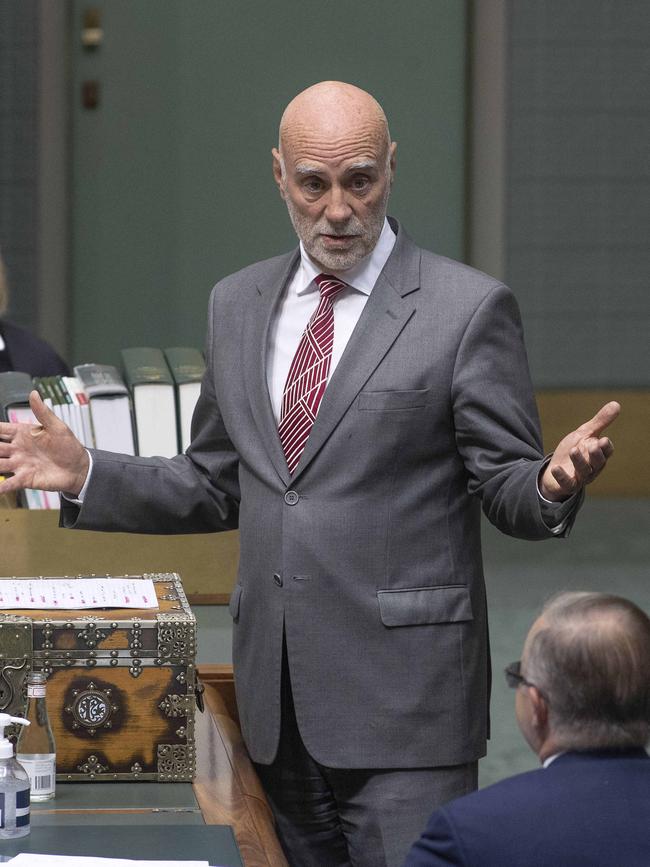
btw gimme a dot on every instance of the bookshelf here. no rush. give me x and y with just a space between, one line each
31 543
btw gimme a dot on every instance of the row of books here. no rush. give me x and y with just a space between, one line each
144 410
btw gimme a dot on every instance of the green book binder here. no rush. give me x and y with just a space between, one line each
187 367
154 404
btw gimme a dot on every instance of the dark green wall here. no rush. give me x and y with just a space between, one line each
172 184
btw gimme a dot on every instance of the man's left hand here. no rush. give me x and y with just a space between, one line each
580 457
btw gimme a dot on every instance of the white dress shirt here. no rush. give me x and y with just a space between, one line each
301 299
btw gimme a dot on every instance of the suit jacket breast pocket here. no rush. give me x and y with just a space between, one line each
384 401
421 605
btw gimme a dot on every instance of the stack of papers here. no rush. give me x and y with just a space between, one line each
77 593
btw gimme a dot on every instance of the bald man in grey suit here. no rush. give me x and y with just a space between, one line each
360 631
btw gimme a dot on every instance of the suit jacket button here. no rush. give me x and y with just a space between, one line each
291 498
278 579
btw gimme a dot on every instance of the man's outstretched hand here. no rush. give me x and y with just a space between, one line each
46 456
579 457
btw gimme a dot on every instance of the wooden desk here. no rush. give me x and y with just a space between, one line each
226 785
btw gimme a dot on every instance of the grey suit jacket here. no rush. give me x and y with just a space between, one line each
369 557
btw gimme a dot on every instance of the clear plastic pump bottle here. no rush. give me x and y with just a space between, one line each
35 749
14 786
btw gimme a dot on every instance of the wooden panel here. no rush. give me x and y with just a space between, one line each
628 473
226 786
31 543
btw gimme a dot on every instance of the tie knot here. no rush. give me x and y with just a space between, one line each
329 286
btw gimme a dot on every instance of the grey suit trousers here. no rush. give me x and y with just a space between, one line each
328 817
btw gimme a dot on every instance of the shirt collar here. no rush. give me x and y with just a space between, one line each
361 276
551 759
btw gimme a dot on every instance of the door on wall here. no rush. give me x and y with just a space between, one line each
175 111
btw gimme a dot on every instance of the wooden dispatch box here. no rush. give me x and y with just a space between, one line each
121 686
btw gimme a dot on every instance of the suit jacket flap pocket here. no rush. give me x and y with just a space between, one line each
233 605
450 604
383 400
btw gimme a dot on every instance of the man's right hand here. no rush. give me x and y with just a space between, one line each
46 456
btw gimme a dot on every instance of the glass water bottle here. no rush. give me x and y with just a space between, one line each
35 750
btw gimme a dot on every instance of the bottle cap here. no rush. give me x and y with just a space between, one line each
6 747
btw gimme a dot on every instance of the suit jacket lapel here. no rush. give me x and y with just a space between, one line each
386 313
255 351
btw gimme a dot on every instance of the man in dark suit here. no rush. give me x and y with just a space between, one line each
360 636
583 705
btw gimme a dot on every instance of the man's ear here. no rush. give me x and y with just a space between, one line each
277 170
392 160
539 707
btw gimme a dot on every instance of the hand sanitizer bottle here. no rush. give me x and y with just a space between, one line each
14 786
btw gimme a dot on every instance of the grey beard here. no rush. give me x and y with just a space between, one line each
333 260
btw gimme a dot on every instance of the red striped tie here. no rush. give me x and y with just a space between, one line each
305 385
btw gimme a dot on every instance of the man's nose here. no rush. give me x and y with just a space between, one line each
338 209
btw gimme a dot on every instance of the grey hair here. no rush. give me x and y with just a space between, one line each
4 288
590 657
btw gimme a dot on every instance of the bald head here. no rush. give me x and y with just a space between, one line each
334 168
336 111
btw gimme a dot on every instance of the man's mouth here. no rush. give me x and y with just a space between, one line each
337 240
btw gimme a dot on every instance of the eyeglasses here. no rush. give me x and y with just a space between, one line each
514 677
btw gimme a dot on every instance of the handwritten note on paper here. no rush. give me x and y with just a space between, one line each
77 593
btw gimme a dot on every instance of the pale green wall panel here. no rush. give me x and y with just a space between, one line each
172 184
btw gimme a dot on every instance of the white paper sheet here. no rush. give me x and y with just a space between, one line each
77 593
29 860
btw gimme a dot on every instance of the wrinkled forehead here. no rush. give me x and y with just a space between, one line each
334 140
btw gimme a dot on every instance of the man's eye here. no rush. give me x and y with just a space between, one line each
360 183
313 185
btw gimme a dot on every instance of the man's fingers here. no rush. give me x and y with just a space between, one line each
589 460
596 459
7 431
581 465
606 446
10 483
604 417
43 414
564 480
